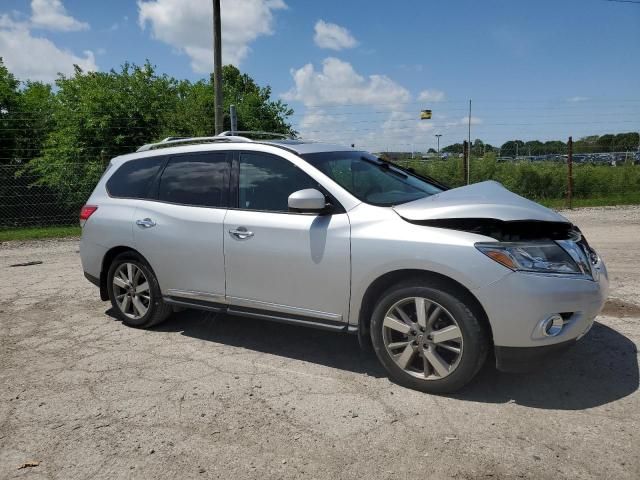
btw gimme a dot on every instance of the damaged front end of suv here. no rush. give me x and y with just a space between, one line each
554 284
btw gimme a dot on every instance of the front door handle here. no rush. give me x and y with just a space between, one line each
146 223
241 233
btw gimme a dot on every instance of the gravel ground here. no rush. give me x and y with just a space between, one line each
206 396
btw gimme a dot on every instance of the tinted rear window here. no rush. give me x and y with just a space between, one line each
132 179
196 179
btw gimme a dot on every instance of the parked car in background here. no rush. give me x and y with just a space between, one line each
331 237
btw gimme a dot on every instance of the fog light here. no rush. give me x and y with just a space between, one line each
553 325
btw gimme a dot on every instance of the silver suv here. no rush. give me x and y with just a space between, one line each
335 238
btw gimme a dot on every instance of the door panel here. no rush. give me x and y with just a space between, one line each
179 230
184 248
296 264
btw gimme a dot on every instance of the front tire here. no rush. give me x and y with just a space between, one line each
428 339
134 292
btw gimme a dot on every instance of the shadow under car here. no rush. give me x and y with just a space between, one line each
599 369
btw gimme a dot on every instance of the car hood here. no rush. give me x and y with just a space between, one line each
487 200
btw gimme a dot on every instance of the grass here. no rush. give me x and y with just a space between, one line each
36 233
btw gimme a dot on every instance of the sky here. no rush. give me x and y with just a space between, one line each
360 71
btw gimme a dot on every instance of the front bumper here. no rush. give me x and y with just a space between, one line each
524 359
518 303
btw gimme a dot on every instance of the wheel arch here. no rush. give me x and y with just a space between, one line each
414 276
106 262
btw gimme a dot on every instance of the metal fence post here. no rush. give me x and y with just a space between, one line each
465 164
570 173
234 119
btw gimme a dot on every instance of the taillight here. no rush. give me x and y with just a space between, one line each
86 212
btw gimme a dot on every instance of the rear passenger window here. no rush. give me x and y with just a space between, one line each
132 179
266 181
198 179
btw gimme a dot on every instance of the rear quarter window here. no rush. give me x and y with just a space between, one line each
197 179
133 178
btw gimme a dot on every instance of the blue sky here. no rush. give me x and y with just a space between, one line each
535 69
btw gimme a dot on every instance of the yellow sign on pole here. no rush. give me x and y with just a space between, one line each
425 115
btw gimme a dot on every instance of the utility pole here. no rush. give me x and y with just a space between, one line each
468 179
570 173
438 135
217 67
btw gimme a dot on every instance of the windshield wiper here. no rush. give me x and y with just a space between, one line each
386 166
416 174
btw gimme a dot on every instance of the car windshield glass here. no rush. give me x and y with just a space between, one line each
370 179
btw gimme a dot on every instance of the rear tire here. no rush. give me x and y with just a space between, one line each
134 292
436 351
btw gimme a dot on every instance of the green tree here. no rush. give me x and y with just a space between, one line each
9 113
586 144
99 115
626 142
36 105
455 148
556 147
533 147
477 148
256 110
605 143
512 148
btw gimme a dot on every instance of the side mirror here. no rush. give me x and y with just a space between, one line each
309 200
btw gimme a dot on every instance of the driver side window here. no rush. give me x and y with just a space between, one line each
266 181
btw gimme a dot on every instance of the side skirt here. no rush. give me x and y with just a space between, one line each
290 319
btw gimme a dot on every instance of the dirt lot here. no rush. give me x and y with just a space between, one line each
208 396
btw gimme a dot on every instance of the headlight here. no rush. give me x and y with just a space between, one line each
544 257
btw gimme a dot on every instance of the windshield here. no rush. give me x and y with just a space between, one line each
370 179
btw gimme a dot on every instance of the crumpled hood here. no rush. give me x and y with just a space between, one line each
481 200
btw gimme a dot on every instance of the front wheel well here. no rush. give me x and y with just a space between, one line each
414 277
106 263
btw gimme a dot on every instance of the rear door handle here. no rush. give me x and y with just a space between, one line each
146 223
241 233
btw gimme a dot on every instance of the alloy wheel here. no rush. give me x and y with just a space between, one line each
131 290
422 338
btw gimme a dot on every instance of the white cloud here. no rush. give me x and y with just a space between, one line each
186 25
474 120
332 36
339 84
339 105
577 99
431 96
465 121
51 14
345 107
37 58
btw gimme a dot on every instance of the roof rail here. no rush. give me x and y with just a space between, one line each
259 133
172 141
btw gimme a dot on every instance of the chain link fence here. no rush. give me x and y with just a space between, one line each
26 203
545 181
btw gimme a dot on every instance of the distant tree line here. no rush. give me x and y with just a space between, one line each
621 142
